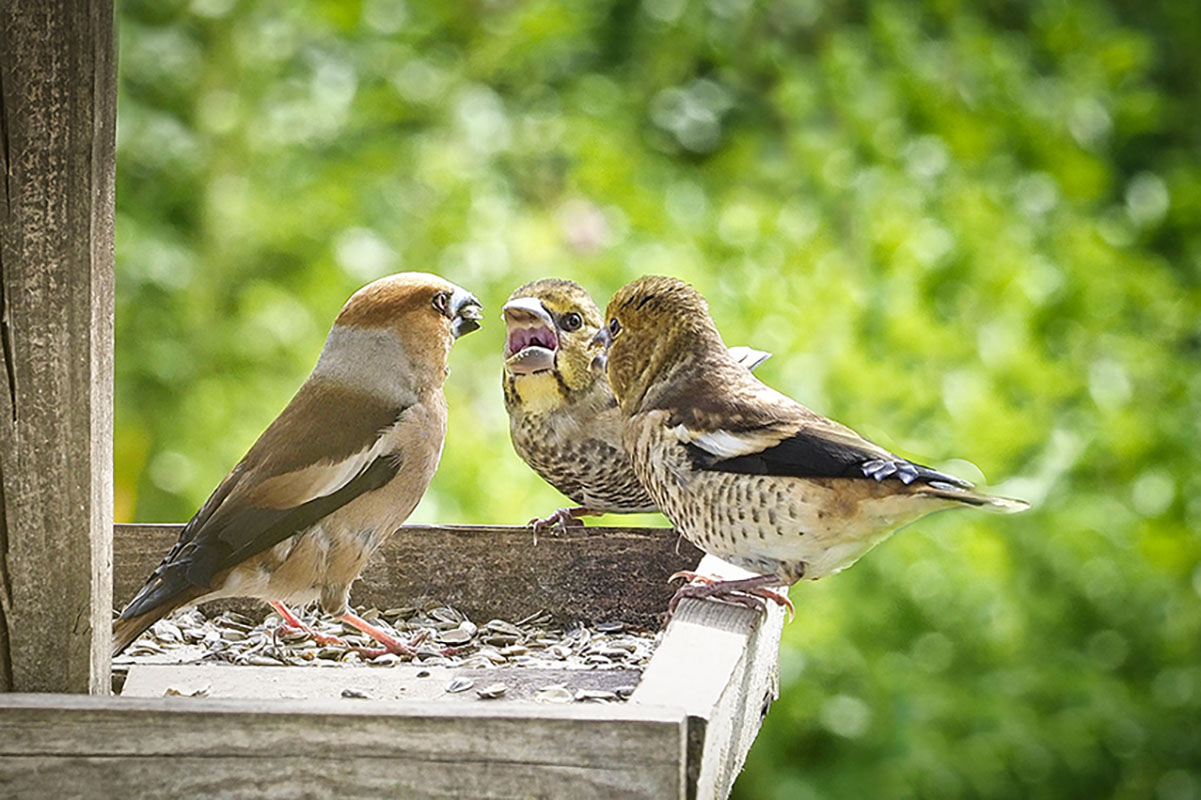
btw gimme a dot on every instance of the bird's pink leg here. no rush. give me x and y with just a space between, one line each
744 591
391 644
562 519
293 623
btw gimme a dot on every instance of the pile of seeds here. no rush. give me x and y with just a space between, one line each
447 637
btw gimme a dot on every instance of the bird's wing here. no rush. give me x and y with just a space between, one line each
279 489
787 439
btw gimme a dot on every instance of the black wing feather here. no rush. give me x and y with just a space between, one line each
806 455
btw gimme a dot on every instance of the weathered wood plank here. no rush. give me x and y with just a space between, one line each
589 574
719 663
399 682
57 122
327 775
347 748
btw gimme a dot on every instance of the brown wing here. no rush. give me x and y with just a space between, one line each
279 489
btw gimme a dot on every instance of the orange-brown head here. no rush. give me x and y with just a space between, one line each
656 330
427 311
405 321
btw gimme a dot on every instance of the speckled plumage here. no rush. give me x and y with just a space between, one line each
563 419
743 471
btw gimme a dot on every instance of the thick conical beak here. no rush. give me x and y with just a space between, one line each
526 312
531 339
600 342
467 313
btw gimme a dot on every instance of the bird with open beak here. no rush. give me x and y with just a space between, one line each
744 472
334 475
563 419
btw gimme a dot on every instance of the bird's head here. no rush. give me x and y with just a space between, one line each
654 327
425 312
548 325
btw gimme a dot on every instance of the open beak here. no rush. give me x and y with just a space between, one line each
600 361
531 343
467 313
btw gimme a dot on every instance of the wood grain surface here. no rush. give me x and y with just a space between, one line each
57 121
586 574
719 663
206 747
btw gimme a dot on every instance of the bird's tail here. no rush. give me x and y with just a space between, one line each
128 628
987 502
749 357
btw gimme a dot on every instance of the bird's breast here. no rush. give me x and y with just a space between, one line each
577 449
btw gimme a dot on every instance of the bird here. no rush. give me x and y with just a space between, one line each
744 472
340 468
563 420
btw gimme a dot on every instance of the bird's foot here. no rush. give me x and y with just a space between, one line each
692 577
325 640
390 643
561 520
293 624
749 592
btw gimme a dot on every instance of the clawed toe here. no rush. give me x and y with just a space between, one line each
747 592
542 524
327 641
369 653
556 523
692 577
777 598
292 624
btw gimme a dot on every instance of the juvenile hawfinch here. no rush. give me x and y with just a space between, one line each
744 472
563 419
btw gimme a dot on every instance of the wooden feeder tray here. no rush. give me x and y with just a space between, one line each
291 732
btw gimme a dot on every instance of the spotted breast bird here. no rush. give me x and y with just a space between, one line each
563 419
742 471
337 472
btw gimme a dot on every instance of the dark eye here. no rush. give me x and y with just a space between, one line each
442 302
572 321
614 327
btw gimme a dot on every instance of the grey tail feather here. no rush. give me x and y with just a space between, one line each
987 502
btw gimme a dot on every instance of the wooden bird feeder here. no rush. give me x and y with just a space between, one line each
286 731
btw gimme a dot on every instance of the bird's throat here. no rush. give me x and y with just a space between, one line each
539 392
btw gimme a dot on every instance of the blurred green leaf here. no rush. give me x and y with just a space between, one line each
968 230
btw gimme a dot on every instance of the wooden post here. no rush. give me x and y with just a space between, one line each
57 125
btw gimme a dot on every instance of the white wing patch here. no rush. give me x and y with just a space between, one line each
323 478
723 444
343 472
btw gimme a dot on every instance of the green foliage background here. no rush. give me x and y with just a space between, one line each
969 230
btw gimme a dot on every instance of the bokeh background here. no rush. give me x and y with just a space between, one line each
969 230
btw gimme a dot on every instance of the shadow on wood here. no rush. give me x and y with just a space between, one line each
587 574
683 734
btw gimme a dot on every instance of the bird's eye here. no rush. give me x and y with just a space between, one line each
442 302
614 327
572 321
